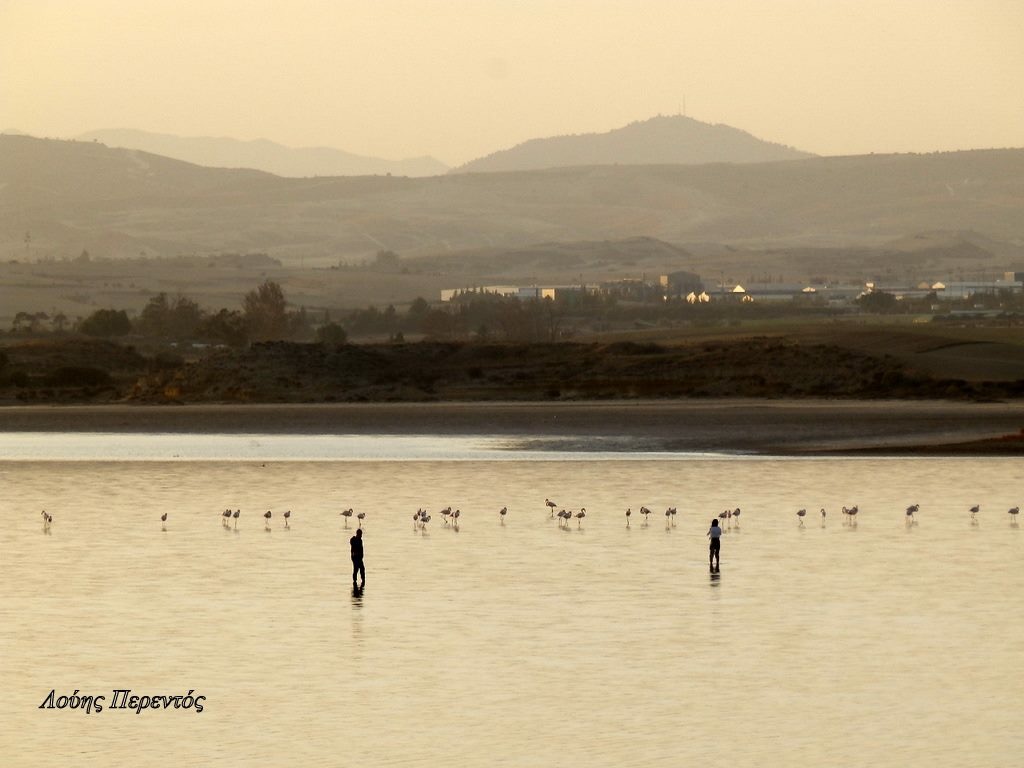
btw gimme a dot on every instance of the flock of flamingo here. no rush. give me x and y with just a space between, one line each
420 519
850 514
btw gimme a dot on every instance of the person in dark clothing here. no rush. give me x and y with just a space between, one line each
715 534
356 542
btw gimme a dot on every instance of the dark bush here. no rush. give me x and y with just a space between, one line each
164 361
106 322
78 376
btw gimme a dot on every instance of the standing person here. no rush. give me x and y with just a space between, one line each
356 542
715 534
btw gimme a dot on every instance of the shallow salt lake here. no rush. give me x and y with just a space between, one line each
523 643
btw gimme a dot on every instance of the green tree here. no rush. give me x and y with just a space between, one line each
225 327
299 326
331 333
265 312
438 324
387 261
175 318
106 322
417 311
153 318
21 320
877 301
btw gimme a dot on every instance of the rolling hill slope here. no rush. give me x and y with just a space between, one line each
657 141
264 155
74 195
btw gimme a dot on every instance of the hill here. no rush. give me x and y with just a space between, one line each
263 155
114 202
657 141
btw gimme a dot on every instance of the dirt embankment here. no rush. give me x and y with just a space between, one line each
280 372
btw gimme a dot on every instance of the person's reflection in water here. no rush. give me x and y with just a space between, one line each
357 596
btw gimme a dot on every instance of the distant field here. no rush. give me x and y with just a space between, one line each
78 290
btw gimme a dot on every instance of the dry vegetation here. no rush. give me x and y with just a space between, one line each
828 360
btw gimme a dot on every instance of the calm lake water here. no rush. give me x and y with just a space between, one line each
523 643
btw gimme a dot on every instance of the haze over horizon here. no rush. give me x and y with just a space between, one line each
458 80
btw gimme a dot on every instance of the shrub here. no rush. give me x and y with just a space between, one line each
78 376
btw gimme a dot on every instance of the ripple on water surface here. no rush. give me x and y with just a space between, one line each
523 643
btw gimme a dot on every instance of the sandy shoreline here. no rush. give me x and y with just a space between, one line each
722 425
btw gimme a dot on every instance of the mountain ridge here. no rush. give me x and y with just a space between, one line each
263 155
659 140
74 195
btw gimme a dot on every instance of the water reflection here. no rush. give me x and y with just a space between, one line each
505 624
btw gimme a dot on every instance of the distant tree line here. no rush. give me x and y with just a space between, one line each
265 315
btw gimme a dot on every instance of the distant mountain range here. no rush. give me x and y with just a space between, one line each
658 141
73 195
675 140
264 155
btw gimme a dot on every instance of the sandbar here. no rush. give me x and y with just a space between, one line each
754 426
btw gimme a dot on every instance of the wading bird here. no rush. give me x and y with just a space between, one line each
287 514
800 513
580 515
503 511
974 511
266 516
235 516
629 512
347 513
551 506
911 510
420 519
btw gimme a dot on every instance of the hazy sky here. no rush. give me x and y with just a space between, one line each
461 78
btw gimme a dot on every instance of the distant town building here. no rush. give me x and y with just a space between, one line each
964 290
628 289
557 292
675 285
